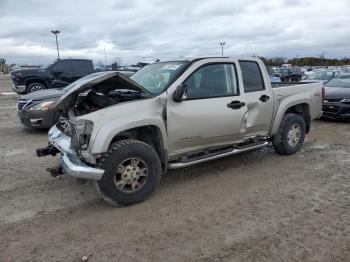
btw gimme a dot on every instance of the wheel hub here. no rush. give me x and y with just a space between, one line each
294 135
131 175
36 88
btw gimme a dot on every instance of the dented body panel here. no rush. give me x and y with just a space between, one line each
192 125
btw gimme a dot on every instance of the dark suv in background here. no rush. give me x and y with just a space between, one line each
290 74
57 74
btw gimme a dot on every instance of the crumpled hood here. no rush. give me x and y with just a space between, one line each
88 81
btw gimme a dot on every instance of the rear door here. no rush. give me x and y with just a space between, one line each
212 112
259 98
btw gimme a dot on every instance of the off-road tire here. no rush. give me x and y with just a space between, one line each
31 87
280 140
116 154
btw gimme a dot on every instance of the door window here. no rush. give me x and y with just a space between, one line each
81 67
62 67
252 77
214 80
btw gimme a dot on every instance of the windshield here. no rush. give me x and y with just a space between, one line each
48 65
322 75
159 76
339 82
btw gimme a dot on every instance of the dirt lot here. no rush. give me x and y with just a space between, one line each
257 206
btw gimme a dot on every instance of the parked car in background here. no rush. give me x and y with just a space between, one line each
57 74
336 104
275 79
103 68
320 75
38 109
290 74
182 113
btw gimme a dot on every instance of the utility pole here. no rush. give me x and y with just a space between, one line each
222 48
104 49
56 32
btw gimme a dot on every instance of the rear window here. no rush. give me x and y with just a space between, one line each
252 77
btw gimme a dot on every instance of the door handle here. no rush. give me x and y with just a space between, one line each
235 104
264 98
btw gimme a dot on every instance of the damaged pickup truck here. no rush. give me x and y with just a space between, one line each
126 132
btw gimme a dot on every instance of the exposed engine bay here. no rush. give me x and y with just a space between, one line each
94 100
104 94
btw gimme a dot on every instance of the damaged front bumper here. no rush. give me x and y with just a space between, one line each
70 161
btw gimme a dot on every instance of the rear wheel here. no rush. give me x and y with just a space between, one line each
291 135
132 172
35 87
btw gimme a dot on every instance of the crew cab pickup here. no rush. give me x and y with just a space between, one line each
57 74
126 132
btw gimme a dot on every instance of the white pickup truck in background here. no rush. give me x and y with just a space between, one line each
125 133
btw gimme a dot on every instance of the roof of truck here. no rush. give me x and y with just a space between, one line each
194 59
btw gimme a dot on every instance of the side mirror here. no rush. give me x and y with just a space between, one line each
179 93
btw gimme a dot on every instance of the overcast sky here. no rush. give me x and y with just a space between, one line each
136 30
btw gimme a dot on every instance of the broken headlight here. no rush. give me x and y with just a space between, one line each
86 134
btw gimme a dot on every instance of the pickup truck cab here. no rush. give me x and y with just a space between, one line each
126 132
57 74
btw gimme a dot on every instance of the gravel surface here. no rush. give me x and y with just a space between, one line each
257 206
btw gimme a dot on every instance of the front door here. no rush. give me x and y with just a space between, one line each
211 113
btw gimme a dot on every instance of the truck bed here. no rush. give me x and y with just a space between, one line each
305 93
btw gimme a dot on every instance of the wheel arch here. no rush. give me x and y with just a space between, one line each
152 134
36 80
300 108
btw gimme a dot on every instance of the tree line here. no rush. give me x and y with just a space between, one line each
306 61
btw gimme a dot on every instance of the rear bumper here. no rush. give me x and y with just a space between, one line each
336 111
70 162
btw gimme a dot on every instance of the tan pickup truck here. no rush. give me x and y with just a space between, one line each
126 132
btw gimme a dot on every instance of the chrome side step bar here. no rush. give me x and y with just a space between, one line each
232 152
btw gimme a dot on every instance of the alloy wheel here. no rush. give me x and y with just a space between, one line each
131 175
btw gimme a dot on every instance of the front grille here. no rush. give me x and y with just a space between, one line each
331 109
23 103
74 137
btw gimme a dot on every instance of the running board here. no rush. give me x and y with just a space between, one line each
220 155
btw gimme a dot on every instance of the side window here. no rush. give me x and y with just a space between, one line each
62 66
252 77
214 80
81 67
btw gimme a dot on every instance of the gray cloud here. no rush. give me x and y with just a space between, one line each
134 30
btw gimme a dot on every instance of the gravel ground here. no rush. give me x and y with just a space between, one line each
258 206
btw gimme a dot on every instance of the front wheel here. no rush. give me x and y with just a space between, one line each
35 87
291 135
132 172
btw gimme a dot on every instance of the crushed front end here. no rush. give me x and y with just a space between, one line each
70 162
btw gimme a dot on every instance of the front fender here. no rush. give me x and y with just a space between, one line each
111 129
